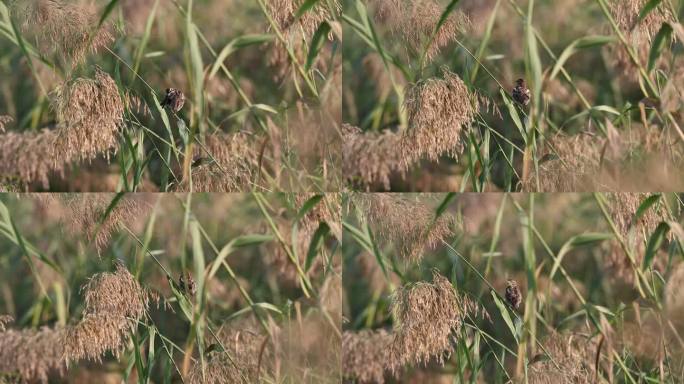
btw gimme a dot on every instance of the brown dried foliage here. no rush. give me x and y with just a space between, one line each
365 355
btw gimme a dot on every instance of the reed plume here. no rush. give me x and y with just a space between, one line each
89 114
570 361
639 34
64 28
225 163
439 112
427 317
415 21
387 215
365 355
86 214
115 303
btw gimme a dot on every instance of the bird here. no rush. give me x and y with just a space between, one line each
521 93
186 283
174 100
513 295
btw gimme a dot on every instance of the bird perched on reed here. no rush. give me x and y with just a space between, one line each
174 100
513 295
521 93
187 283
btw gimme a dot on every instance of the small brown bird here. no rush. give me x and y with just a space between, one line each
521 93
174 100
186 283
513 295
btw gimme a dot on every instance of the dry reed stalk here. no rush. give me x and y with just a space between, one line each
427 317
64 28
415 22
365 355
115 303
229 165
411 226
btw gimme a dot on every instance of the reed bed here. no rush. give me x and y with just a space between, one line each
169 288
538 288
92 97
429 91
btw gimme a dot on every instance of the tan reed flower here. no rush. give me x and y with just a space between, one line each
638 34
370 158
89 112
227 165
365 355
29 157
407 224
4 120
115 303
92 113
570 361
86 213
240 362
427 317
623 206
65 28
415 22
439 112
297 32
33 354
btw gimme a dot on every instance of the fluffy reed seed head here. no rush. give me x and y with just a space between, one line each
439 111
33 354
296 32
239 363
415 22
574 360
28 157
114 302
68 29
86 214
427 316
234 163
409 225
370 158
91 111
365 355
638 34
